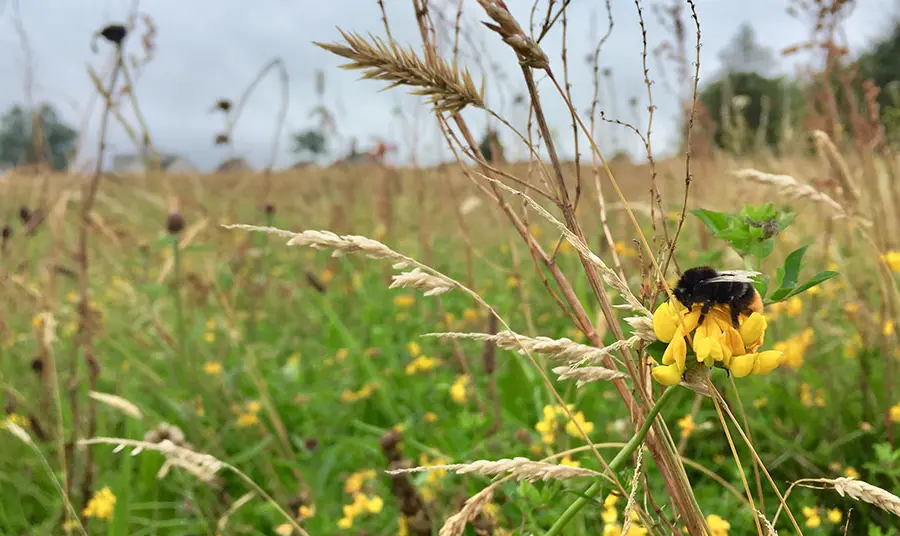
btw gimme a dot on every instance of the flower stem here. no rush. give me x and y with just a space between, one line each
614 465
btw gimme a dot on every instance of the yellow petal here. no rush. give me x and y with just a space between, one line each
702 342
735 342
664 325
767 361
676 352
753 328
667 374
742 365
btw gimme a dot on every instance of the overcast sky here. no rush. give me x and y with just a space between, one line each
207 49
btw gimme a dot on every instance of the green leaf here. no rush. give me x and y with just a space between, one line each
785 220
817 279
762 286
780 294
792 267
762 249
715 221
733 233
656 349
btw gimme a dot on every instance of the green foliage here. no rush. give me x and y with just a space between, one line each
17 141
751 233
311 141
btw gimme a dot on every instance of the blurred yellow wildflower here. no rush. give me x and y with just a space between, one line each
19 420
470 315
717 525
430 417
553 416
610 500
894 413
306 512
355 481
850 472
414 349
449 319
687 425
213 368
714 341
209 337
458 391
512 282
887 329
624 250
326 276
285 529
794 306
423 363
404 301
341 355
794 348
102 505
567 460
892 259
352 396
535 231
760 402
834 515
247 419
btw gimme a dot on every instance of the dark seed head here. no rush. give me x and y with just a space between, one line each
222 104
37 365
269 209
6 232
24 215
175 222
222 139
114 33
311 444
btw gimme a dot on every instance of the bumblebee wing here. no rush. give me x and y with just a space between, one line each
732 276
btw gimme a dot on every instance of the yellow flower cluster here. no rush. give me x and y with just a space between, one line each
892 260
714 341
102 505
814 519
807 398
554 415
794 348
423 363
610 517
432 478
894 413
364 392
717 525
248 417
362 503
404 301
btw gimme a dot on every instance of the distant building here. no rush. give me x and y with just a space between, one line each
141 163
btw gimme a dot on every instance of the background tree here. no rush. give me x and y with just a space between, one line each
19 146
880 65
490 146
310 141
749 109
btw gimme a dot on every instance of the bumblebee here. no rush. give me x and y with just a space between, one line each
710 287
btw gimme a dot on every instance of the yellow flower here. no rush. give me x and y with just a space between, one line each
449 318
609 515
760 402
458 391
414 349
887 329
850 472
345 523
624 250
667 374
404 301
610 500
430 417
209 337
213 368
326 276
512 282
254 406
894 413
355 481
586 426
421 364
612 530
536 231
813 522
306 512
567 460
341 355
892 259
36 321
717 525
834 515
794 306
794 348
285 529
352 396
470 315
687 425
374 504
247 419
102 505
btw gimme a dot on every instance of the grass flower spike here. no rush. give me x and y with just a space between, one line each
715 341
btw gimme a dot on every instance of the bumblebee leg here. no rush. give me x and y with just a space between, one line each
735 313
703 311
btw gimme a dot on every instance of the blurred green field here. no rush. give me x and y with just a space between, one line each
291 365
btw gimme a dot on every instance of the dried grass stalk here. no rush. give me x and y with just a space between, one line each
456 524
201 465
117 402
863 491
528 51
519 468
642 327
585 375
826 147
635 481
446 87
770 530
563 349
417 279
19 432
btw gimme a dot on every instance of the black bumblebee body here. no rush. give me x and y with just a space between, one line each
710 287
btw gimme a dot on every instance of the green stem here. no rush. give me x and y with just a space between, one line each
179 310
617 463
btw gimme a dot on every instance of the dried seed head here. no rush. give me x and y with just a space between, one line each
311 444
222 139
269 209
222 104
175 222
6 232
37 365
24 215
114 33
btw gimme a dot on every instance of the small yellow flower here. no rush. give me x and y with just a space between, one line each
355 481
209 337
834 515
894 413
760 402
449 319
414 349
586 426
470 315
102 505
717 525
850 472
36 321
247 419
536 231
285 529
341 355
404 301
624 250
458 391
422 363
512 282
610 500
813 522
851 308
212 368
306 512
794 306
567 460
345 523
887 329
892 259
430 417
609 515
687 425
326 276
